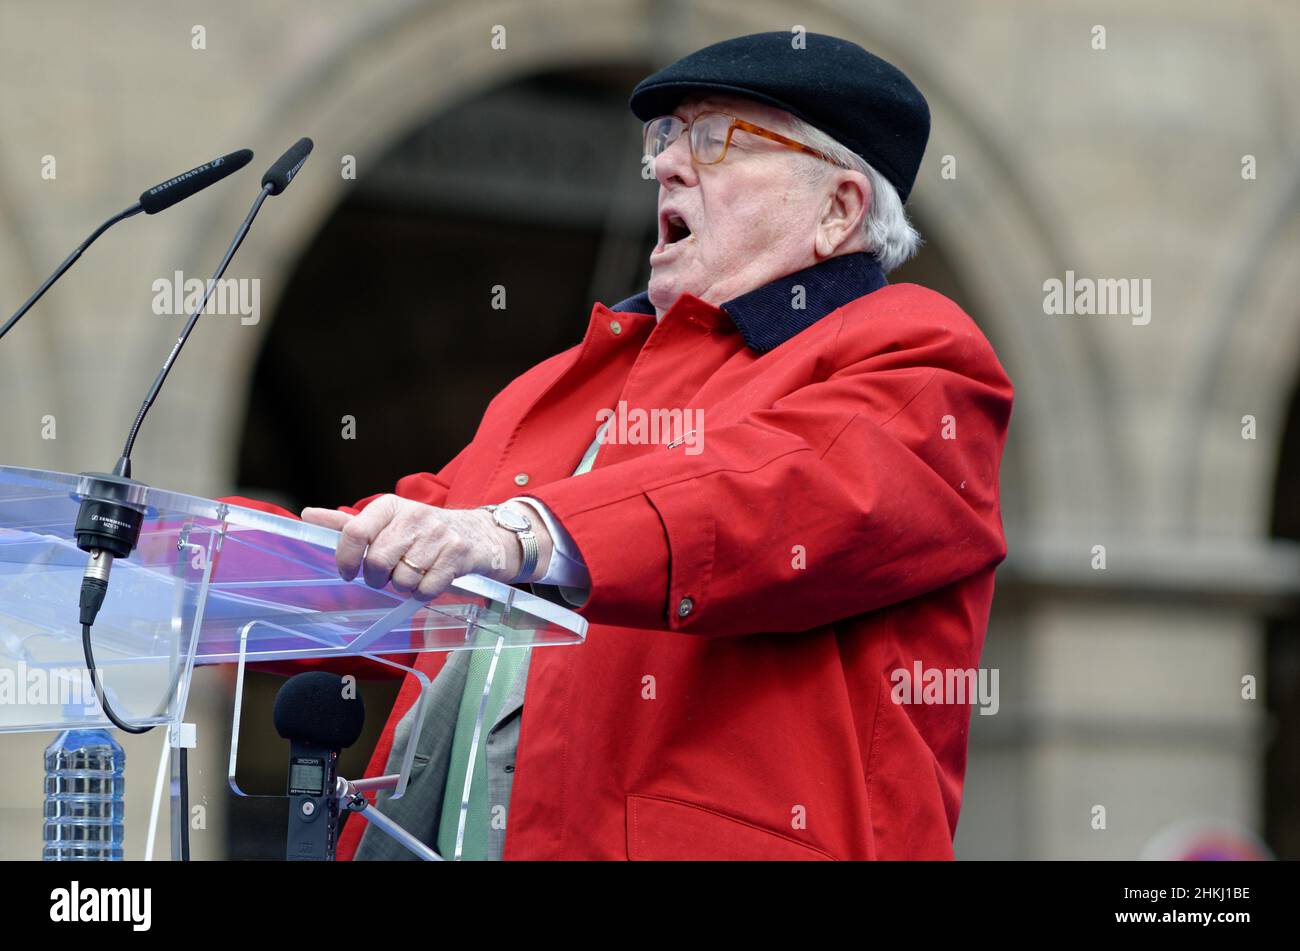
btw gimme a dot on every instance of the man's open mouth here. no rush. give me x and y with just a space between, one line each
674 228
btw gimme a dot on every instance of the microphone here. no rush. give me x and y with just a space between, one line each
318 719
111 514
168 193
279 175
151 202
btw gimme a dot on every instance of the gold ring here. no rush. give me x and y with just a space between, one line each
416 568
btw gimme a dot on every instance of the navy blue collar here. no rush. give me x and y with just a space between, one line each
769 316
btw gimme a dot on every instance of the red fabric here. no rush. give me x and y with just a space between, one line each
841 523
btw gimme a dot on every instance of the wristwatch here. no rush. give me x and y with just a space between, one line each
513 520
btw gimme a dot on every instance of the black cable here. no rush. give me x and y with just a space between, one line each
184 762
99 690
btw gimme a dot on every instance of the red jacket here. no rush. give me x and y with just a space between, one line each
751 601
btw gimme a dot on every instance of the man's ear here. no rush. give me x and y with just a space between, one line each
839 228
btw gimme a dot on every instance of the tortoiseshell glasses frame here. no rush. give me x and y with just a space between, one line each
709 136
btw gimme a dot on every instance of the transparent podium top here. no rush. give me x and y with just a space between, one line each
204 575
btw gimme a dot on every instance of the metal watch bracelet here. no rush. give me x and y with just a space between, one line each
526 536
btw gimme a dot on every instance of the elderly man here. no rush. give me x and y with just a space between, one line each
759 587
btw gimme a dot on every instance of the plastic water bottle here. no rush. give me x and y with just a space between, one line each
84 789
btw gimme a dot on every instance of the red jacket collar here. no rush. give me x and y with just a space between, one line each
769 316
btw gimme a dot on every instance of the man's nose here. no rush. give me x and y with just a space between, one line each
673 165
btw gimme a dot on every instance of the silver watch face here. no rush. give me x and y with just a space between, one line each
512 519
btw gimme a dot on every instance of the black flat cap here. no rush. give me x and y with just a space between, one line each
851 95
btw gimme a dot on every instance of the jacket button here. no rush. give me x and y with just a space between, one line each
521 479
615 327
685 607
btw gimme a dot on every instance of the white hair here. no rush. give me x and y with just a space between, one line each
888 233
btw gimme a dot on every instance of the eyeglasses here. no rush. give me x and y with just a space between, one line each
710 136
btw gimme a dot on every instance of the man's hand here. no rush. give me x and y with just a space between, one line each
420 549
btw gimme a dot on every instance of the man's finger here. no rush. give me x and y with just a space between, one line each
384 551
360 531
329 518
424 554
400 534
435 581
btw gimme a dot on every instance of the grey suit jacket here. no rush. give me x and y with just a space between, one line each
420 809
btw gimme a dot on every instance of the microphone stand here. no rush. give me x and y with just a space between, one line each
70 260
108 524
351 796
111 515
156 199
123 467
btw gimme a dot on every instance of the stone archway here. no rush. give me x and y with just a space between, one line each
1248 366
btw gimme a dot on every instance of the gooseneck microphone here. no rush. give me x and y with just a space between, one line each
110 518
274 182
320 714
152 201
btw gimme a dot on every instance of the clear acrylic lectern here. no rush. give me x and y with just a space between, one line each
208 583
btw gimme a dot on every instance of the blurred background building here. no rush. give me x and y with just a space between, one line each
1158 144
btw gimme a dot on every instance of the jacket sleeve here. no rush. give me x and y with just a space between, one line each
873 485
424 487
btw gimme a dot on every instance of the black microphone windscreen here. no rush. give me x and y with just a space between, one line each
195 180
279 175
313 707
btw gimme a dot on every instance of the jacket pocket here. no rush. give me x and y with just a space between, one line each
661 829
